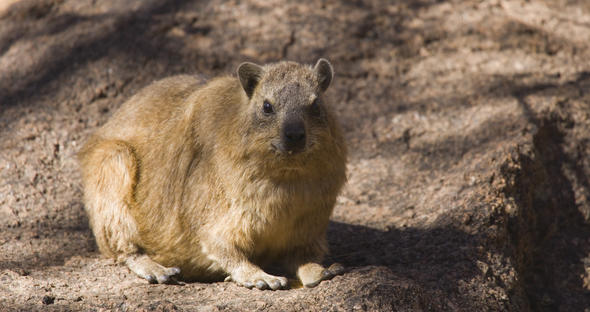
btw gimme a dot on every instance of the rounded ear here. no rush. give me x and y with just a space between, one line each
324 73
249 75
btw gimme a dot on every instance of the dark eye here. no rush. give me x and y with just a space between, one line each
267 108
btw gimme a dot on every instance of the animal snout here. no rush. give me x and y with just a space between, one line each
294 137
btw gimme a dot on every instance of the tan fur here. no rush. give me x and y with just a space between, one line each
188 175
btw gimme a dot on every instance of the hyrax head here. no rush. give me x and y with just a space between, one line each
287 114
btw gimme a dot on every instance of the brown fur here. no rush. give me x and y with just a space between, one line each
197 177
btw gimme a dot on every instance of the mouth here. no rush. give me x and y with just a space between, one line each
284 152
287 160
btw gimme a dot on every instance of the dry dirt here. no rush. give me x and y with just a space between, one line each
468 124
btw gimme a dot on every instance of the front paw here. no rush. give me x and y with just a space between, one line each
311 274
258 279
153 272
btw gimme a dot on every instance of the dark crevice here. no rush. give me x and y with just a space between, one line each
547 232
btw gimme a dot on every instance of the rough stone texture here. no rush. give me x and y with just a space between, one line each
468 124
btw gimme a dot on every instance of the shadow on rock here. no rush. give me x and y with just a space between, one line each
441 255
47 243
128 34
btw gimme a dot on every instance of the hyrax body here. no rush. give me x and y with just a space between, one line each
219 180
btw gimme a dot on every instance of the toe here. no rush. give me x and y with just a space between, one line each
284 282
172 271
260 284
151 279
274 284
163 279
336 269
327 274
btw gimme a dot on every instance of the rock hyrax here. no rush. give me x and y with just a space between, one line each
225 179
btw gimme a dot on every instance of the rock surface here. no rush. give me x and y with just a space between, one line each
468 124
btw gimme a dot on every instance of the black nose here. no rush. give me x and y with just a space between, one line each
294 136
295 133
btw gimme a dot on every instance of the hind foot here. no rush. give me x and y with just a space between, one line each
311 274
